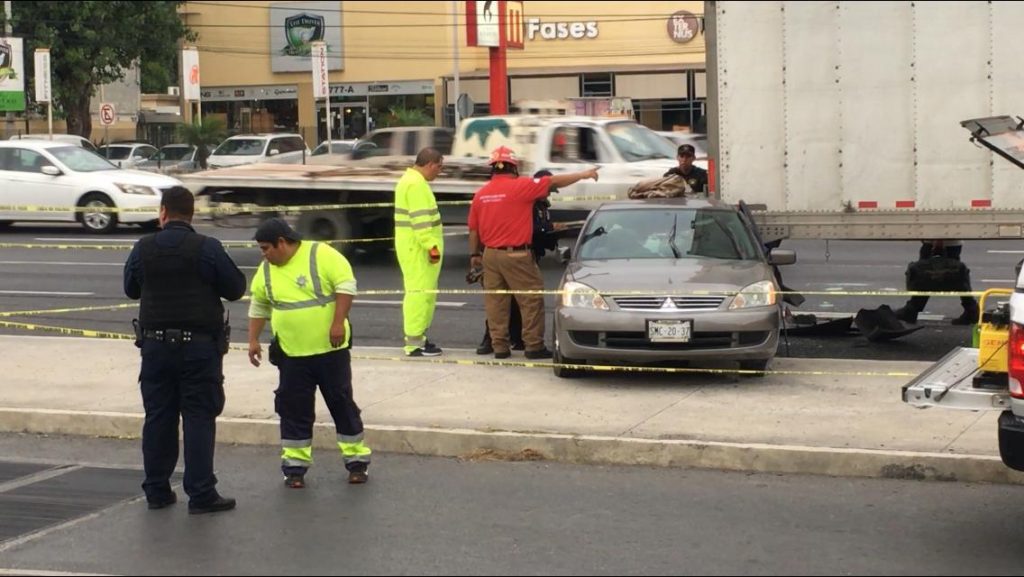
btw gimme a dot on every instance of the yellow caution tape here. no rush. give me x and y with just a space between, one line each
226 244
68 332
253 208
516 364
35 313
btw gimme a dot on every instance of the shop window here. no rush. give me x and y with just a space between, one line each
597 84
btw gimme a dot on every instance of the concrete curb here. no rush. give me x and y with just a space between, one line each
577 449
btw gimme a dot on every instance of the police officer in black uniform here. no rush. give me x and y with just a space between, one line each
694 176
181 277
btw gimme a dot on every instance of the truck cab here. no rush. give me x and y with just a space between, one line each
625 151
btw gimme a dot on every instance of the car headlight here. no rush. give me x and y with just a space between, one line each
580 296
137 189
759 294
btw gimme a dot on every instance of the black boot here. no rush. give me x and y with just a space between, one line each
485 347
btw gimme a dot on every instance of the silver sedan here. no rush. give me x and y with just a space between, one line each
668 280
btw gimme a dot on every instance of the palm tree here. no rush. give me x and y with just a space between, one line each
203 134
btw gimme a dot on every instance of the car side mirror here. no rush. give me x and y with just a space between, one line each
51 171
273 152
782 257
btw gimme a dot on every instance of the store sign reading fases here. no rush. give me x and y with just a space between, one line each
560 30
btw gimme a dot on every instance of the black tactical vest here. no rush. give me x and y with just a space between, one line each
174 294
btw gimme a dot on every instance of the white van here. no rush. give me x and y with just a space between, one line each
255 148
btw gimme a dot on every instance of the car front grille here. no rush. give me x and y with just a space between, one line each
639 341
688 303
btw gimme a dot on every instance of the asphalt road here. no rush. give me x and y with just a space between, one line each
455 517
36 279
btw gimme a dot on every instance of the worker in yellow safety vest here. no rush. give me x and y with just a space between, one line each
306 289
419 244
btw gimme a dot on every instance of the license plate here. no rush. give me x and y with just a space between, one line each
669 331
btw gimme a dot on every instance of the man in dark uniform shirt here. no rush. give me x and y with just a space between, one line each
181 277
696 178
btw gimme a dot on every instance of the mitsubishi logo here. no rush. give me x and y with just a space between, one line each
669 305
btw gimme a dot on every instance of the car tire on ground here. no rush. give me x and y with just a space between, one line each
98 222
563 372
5 224
758 365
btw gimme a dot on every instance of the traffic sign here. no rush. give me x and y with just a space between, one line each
108 116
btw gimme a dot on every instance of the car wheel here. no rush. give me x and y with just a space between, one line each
98 222
564 372
759 365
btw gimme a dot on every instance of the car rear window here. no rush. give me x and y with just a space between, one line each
115 152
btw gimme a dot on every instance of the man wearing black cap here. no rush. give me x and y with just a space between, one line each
306 289
181 277
696 178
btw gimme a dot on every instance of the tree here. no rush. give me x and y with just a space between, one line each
203 134
94 43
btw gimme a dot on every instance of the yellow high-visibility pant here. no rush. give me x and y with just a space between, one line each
417 307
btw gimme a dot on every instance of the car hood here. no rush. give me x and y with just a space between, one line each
137 177
669 276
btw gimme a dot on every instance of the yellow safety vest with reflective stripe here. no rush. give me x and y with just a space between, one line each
417 219
299 298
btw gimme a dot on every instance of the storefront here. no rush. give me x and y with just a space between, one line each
401 55
253 109
357 108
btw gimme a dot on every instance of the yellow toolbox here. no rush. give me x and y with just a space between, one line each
992 334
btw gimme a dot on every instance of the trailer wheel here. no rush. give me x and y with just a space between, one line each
328 226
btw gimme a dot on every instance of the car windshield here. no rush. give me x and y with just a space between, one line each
79 159
241 147
636 143
173 153
645 234
115 152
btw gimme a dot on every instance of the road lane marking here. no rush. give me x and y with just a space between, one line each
59 263
451 305
80 239
999 281
46 293
1006 252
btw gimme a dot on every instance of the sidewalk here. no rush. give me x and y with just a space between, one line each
816 424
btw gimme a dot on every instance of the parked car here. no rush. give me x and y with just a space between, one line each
127 154
55 174
65 138
337 147
693 284
172 158
254 148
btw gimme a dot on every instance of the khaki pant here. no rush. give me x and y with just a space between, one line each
516 270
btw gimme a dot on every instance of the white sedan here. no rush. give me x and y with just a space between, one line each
51 182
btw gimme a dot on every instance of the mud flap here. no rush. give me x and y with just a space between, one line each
1011 440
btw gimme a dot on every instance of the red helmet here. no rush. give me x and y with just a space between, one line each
504 155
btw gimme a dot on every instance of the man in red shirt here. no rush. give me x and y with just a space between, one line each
500 231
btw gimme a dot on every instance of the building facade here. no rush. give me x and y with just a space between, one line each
401 56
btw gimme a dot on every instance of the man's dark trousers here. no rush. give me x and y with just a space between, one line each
183 379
